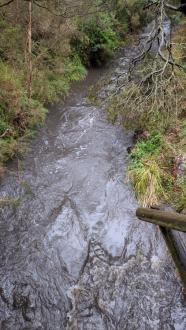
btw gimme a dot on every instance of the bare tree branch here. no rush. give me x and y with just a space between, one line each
181 8
6 3
65 13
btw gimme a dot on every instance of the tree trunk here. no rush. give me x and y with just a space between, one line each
30 50
17 10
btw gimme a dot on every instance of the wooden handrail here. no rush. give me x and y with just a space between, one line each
175 247
168 220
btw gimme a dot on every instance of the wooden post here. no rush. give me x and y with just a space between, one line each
174 249
168 220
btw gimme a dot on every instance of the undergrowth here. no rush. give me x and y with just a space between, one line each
61 51
97 41
157 166
145 172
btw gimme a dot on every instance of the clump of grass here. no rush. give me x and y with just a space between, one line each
2 171
147 181
144 148
9 202
8 148
145 172
153 173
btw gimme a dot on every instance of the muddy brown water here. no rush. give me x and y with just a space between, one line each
73 255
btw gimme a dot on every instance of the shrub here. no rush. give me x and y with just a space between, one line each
11 42
156 106
130 14
97 40
153 145
49 85
17 113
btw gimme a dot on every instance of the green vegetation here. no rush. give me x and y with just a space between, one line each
42 51
153 170
98 39
131 16
144 149
100 35
145 171
156 107
53 73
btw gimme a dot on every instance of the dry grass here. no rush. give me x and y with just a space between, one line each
9 201
2 171
147 181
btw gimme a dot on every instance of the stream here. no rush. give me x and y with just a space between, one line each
72 253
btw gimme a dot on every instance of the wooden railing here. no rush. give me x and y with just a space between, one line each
168 222
165 219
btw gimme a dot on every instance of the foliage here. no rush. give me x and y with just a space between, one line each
17 114
86 33
146 148
158 108
55 65
97 40
147 181
152 172
130 14
153 167
11 42
154 100
144 170
49 85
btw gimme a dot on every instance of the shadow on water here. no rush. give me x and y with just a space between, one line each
73 255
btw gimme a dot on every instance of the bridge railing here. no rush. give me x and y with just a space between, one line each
168 222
